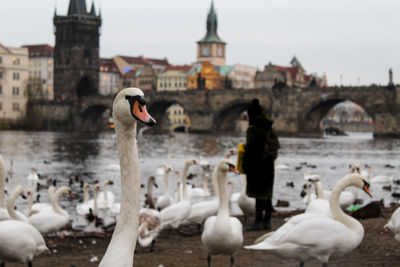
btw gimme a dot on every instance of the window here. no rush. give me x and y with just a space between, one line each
1 106
16 76
1 60
1 75
1 89
15 61
15 106
15 90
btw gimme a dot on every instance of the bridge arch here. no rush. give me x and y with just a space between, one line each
227 119
158 110
95 118
310 119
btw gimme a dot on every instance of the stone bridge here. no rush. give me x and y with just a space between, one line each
296 111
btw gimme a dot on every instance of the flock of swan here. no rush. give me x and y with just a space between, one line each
21 234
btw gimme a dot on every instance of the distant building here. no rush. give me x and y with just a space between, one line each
128 79
14 62
211 48
41 69
173 78
146 78
291 76
76 52
128 63
242 76
178 118
109 83
205 76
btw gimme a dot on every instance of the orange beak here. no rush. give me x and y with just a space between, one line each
232 169
140 112
366 189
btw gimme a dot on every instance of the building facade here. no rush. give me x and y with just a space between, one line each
76 52
41 70
242 76
174 78
146 78
128 63
14 74
109 83
211 48
178 118
205 76
291 76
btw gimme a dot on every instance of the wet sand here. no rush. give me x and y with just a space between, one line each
379 248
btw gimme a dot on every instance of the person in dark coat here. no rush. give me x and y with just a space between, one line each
259 165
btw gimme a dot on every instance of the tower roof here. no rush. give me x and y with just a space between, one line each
212 25
77 7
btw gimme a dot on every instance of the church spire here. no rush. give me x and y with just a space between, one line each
92 10
77 7
212 25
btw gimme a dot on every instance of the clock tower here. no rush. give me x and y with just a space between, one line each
211 48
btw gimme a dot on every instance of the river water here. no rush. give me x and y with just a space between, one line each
65 156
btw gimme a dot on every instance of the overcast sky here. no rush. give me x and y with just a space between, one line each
356 39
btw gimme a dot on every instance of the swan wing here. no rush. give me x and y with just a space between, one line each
48 222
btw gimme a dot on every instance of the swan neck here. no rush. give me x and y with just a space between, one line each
166 181
95 203
244 186
319 190
185 196
336 210
205 185
214 179
54 201
2 181
10 204
30 203
308 194
85 195
105 192
123 241
223 197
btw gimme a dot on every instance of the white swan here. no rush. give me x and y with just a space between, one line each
201 192
129 106
382 179
19 241
173 215
281 167
394 224
229 153
36 207
106 198
166 199
222 234
150 226
54 218
3 210
83 208
149 201
314 236
32 178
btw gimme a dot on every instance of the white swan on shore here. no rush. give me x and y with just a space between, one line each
150 226
54 218
394 224
19 241
173 215
222 234
166 199
246 204
37 207
12 213
314 236
129 106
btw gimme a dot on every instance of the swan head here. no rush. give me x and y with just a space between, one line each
226 165
29 193
97 188
359 181
86 186
65 190
191 162
152 181
167 168
355 168
130 103
108 182
19 191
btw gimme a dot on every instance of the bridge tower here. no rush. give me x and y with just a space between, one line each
211 48
76 52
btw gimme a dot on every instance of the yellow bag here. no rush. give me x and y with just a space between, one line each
240 156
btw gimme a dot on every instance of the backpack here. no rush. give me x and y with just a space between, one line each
271 146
